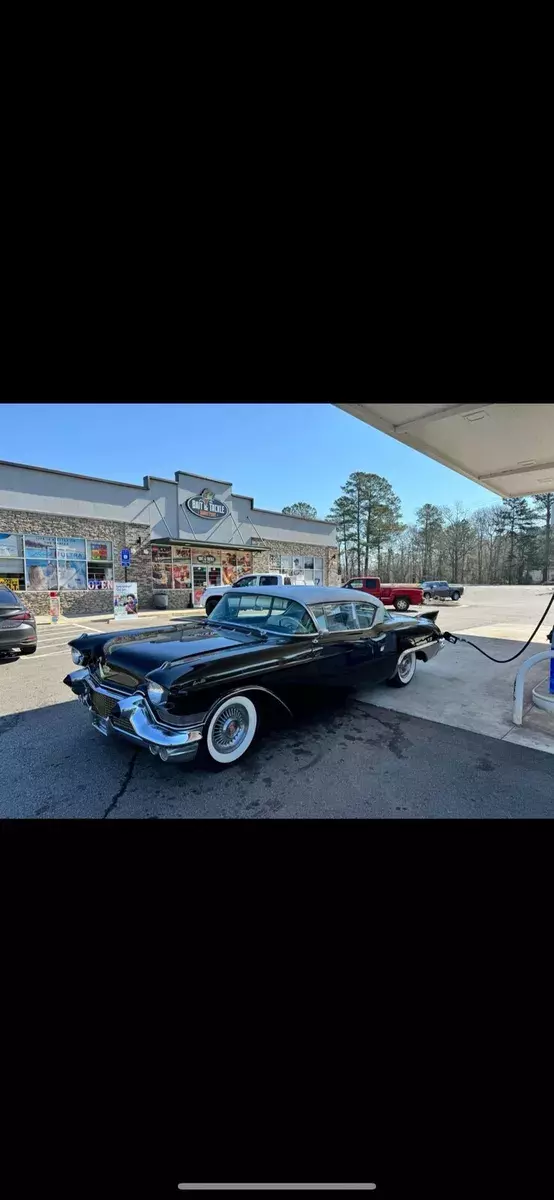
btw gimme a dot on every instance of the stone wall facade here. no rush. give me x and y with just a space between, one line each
119 533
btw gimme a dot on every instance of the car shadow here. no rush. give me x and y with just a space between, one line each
10 657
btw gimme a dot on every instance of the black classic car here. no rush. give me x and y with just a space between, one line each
204 685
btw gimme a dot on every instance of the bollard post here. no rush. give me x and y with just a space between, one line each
54 607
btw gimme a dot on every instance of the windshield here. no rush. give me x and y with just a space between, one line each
275 614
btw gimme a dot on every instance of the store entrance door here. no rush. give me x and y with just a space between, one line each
203 577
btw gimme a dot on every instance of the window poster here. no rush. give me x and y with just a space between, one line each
100 551
71 548
244 562
181 553
8 546
38 547
161 553
229 569
72 574
41 574
181 575
161 574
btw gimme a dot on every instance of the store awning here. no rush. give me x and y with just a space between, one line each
507 448
196 544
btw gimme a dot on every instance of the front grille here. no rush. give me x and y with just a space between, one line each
124 724
102 704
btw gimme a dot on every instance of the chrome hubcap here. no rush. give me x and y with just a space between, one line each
230 728
406 667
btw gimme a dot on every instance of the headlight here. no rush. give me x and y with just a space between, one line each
156 694
77 656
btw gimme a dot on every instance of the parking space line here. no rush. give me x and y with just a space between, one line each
87 627
51 654
48 645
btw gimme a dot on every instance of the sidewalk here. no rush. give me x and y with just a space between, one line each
169 613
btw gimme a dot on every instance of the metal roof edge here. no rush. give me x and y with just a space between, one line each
72 474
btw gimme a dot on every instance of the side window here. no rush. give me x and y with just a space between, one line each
371 583
288 616
340 617
268 580
319 614
356 583
245 581
254 606
287 581
366 615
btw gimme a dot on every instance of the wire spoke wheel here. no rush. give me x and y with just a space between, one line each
231 729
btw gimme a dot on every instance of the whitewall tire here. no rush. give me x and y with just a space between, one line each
230 730
404 673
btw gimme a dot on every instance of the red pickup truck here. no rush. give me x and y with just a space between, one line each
392 595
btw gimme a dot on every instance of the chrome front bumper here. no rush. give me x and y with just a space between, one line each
130 717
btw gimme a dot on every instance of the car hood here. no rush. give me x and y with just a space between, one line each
128 657
151 648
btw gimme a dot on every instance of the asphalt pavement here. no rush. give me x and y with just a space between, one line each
350 759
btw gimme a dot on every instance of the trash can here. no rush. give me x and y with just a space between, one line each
160 599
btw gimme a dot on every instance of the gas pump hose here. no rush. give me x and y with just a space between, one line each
451 637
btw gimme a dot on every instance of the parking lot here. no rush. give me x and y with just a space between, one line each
361 757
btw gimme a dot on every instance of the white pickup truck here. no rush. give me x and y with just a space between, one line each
211 596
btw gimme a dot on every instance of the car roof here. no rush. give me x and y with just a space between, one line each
306 594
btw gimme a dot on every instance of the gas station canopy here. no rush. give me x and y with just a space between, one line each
507 448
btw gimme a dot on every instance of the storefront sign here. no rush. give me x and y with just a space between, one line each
203 557
8 545
10 581
205 505
125 600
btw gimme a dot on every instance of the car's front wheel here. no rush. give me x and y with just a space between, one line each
210 605
230 731
426 595
455 595
405 671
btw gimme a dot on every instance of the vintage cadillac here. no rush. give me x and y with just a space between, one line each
203 686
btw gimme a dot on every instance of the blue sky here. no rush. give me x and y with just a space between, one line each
277 453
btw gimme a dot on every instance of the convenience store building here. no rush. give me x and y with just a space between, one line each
65 532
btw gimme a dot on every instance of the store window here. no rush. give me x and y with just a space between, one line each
12 564
304 568
41 568
197 567
100 565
